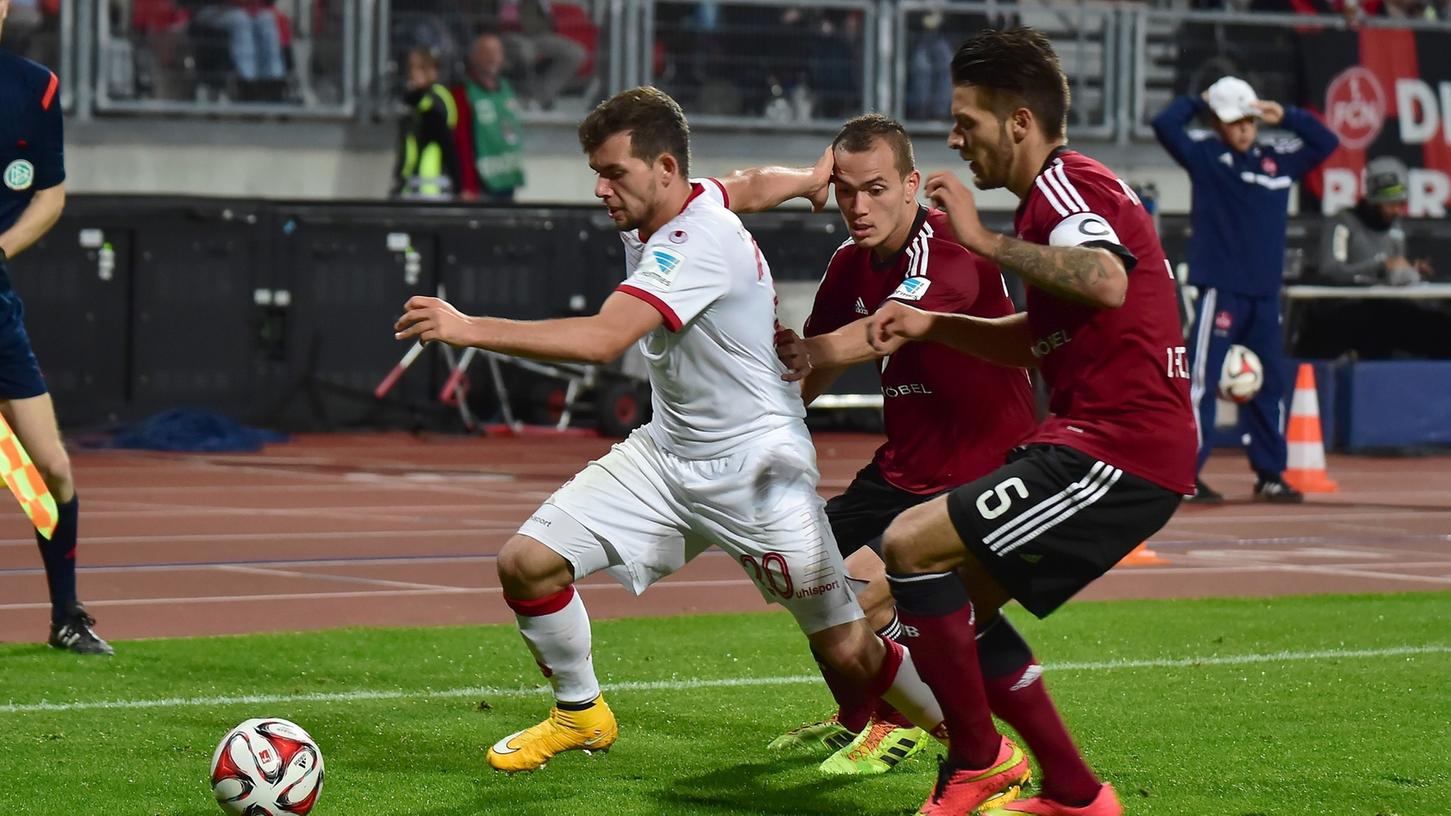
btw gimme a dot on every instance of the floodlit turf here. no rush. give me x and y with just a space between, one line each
1184 729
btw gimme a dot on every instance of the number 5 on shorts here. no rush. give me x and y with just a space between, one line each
995 502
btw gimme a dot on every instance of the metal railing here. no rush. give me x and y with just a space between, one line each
1086 37
762 64
227 62
782 65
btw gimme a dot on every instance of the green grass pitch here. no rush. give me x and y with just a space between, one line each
1309 705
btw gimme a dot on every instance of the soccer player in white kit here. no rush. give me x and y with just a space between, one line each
726 461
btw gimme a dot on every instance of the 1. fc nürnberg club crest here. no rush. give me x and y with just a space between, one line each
1355 107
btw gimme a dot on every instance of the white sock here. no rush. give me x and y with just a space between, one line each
907 692
560 642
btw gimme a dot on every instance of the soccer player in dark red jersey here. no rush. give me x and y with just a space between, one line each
1103 472
949 418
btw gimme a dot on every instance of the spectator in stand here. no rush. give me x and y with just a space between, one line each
929 80
427 166
1365 246
254 41
1237 253
544 59
489 135
1365 243
26 19
1352 10
1411 10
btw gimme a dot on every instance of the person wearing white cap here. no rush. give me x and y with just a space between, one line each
1236 253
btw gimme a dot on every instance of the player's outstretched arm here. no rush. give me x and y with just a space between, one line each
1085 274
763 188
814 377
35 220
597 339
1006 341
842 348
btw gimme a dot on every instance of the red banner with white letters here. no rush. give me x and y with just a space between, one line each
1385 92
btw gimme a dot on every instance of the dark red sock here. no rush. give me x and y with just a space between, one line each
1018 696
938 627
854 706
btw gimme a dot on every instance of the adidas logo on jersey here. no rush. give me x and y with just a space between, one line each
861 308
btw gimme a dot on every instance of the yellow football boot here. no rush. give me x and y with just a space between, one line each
591 729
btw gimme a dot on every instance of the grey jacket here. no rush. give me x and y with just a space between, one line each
1353 252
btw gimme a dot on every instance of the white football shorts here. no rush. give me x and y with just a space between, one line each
643 513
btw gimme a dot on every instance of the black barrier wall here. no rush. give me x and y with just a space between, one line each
280 313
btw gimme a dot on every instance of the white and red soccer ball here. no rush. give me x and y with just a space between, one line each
267 767
1242 375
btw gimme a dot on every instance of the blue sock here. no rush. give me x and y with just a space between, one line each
59 554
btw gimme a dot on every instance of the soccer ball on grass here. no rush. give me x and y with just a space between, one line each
267 767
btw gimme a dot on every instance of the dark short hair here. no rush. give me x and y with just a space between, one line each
1017 68
654 120
860 134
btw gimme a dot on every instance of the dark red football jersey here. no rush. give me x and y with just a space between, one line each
950 418
1118 378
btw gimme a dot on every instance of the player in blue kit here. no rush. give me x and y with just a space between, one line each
32 195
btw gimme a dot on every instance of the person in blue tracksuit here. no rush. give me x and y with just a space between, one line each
32 195
1236 253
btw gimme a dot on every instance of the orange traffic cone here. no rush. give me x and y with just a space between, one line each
1141 556
1306 471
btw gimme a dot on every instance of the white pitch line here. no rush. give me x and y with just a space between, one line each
701 683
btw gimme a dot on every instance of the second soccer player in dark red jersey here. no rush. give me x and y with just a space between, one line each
1103 472
949 417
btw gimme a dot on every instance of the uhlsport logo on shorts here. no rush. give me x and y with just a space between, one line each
19 175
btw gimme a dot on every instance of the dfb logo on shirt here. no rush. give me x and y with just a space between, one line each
19 175
911 289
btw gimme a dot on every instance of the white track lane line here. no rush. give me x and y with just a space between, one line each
381 593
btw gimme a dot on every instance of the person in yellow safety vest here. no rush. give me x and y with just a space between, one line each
427 165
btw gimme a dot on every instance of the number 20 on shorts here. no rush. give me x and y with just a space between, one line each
771 573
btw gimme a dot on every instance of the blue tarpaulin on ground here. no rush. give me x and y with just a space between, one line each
194 429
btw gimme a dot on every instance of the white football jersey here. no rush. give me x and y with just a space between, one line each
714 374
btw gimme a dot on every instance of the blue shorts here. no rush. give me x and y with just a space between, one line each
20 376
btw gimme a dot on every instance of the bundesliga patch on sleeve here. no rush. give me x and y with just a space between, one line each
910 289
660 265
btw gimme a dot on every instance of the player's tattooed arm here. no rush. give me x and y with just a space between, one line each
1086 274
